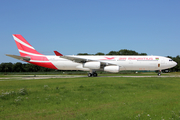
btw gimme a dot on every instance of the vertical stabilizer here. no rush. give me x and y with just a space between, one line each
29 54
25 49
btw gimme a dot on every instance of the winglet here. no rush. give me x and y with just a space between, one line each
57 53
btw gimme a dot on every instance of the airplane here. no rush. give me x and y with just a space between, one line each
112 64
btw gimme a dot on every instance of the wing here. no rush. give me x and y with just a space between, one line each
84 60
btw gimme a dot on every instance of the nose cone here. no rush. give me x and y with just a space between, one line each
174 63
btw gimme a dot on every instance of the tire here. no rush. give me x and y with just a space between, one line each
159 74
89 74
95 75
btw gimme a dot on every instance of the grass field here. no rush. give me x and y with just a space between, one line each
85 98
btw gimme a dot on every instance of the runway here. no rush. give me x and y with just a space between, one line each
36 77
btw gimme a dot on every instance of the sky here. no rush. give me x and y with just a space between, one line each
91 26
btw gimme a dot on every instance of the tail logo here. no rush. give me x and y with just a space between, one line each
27 51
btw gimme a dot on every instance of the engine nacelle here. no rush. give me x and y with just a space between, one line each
113 69
92 65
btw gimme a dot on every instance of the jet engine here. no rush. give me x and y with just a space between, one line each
92 65
113 69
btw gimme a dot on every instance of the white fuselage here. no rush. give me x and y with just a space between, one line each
124 62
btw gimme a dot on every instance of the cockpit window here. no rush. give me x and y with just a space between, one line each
170 60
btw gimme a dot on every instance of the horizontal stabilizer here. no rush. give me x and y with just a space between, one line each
19 57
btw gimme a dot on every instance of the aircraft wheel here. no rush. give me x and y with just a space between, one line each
159 74
95 74
89 74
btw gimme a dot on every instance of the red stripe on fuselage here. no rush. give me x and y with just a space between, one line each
42 61
40 58
47 64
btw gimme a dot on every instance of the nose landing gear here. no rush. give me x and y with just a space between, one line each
159 73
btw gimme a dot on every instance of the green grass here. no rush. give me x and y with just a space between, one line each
91 98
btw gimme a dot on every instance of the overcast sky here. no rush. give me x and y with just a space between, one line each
91 26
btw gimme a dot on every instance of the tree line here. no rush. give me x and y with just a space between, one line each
120 52
26 67
22 67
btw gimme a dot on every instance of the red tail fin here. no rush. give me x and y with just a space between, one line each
24 47
29 54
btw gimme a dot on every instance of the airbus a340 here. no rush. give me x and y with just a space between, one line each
89 63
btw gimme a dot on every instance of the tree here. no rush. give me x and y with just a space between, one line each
29 67
127 52
120 52
18 67
99 53
112 53
142 54
6 67
82 54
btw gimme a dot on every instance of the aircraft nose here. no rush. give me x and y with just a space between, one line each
174 63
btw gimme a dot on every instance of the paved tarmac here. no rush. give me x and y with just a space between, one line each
35 77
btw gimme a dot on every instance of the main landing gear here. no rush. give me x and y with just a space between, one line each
93 74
